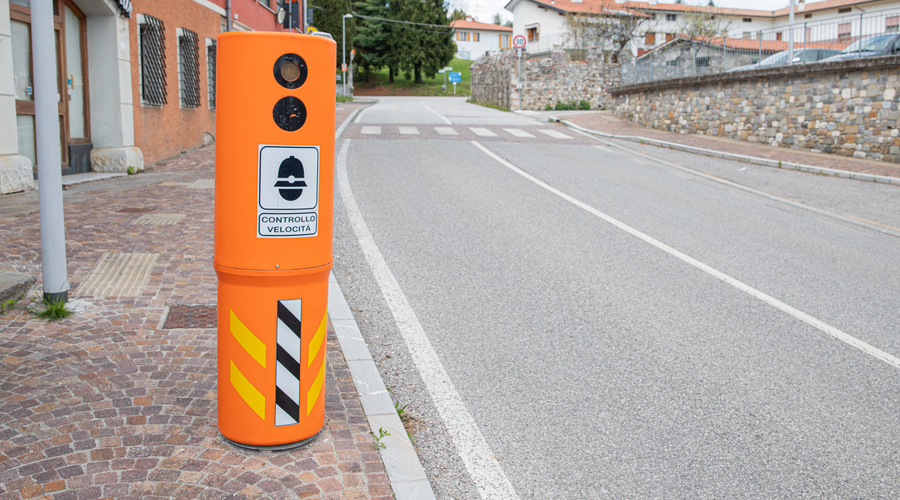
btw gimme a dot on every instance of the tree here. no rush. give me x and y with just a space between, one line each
457 15
608 26
426 47
374 39
497 19
702 27
330 20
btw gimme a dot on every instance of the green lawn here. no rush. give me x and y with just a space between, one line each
378 83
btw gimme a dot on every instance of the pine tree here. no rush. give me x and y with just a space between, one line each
373 40
424 50
330 20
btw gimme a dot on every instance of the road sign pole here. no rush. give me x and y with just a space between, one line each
50 198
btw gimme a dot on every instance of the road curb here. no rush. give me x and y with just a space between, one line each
404 470
753 160
14 285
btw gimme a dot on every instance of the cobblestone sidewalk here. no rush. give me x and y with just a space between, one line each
607 122
108 403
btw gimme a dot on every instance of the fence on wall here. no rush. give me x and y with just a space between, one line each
862 34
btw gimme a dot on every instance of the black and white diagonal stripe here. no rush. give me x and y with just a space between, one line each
287 366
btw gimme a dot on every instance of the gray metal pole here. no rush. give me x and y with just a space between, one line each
46 117
791 35
344 56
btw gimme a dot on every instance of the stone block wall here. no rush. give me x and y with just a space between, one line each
849 108
544 81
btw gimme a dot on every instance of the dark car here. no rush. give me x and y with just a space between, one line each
870 46
800 56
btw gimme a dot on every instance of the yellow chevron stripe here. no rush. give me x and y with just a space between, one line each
248 341
313 395
316 343
252 397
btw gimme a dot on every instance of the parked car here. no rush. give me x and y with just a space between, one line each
800 56
871 46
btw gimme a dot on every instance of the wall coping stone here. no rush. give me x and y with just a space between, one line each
851 65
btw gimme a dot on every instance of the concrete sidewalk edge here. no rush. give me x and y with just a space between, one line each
881 179
405 472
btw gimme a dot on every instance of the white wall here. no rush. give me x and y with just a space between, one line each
488 41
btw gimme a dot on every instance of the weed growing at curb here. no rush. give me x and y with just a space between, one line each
381 435
131 170
11 303
401 411
53 310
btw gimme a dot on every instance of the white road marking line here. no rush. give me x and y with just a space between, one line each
445 131
518 132
806 318
409 131
371 130
448 122
474 451
555 134
483 132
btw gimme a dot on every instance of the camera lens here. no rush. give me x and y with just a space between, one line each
290 71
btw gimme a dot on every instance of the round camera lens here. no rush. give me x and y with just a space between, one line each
290 72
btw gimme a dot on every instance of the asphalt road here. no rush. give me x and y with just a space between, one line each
617 327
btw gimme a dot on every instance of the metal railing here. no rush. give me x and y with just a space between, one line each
860 34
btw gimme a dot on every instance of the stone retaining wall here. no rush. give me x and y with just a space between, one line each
849 108
544 81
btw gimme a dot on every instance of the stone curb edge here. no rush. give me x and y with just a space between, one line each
405 472
754 160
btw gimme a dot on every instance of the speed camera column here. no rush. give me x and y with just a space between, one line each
273 234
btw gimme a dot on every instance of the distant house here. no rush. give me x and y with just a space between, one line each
474 39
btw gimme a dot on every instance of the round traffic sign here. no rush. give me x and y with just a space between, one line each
519 41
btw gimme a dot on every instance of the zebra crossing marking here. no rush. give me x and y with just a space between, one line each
518 132
483 132
409 131
445 131
371 130
554 134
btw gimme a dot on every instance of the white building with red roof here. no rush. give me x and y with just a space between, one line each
543 22
474 39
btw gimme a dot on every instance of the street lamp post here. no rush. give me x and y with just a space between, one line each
344 54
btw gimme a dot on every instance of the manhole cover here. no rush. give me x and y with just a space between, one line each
190 317
135 210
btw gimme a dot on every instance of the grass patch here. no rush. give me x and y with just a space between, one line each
341 98
487 105
7 306
378 83
570 106
52 310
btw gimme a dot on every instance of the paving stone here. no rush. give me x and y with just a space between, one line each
107 404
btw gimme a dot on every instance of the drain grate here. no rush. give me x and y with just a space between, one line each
190 317
135 210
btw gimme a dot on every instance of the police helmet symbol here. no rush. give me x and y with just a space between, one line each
290 179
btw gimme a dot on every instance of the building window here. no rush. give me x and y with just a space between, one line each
671 17
650 39
747 35
532 34
211 72
152 54
670 37
778 36
892 24
702 62
462 36
504 41
807 16
845 10
748 19
476 37
188 68
844 32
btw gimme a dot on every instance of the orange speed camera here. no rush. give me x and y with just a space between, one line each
273 233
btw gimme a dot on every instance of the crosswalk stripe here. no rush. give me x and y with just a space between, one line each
554 134
518 132
445 131
409 131
371 130
483 132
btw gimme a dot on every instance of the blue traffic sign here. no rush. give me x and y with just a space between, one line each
455 77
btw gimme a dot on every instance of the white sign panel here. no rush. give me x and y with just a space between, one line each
288 187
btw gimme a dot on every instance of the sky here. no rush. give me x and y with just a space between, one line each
484 10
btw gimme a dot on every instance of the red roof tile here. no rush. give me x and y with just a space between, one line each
462 24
